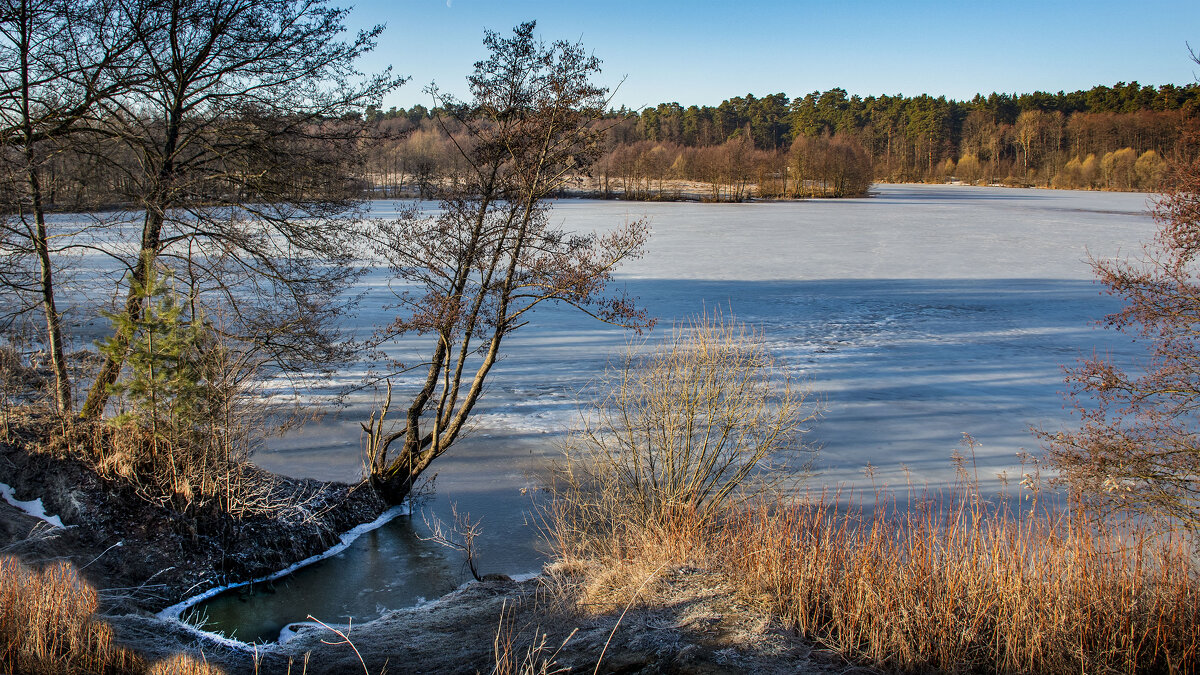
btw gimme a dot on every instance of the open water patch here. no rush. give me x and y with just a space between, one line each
177 612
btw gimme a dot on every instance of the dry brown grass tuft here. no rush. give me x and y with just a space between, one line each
941 582
46 623
181 664
175 473
47 626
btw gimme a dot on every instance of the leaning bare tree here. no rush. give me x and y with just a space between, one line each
240 160
472 272
1137 449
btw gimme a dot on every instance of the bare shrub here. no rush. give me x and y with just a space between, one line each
1137 447
460 536
691 427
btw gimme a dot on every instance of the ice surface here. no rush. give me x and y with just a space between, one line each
914 316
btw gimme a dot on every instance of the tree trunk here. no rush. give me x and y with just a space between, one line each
97 398
392 489
41 240
156 207
62 382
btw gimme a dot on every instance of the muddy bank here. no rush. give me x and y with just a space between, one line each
143 556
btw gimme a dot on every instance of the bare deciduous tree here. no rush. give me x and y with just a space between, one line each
824 166
473 272
244 171
1138 446
58 60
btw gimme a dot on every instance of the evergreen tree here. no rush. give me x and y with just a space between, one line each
163 384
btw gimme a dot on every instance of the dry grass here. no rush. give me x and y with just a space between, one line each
181 664
948 582
179 474
47 626
46 623
954 584
536 658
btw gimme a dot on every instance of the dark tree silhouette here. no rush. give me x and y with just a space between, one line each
58 60
244 168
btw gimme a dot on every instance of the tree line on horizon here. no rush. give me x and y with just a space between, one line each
835 144
824 144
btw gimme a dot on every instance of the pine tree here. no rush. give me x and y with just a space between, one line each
163 384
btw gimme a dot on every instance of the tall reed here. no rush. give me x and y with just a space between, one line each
955 583
945 581
47 626
46 623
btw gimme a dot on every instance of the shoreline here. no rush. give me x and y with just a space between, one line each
146 557
690 192
174 612
146 583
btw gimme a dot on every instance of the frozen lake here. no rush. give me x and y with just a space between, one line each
914 316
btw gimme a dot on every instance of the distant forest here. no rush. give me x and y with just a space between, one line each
825 144
832 144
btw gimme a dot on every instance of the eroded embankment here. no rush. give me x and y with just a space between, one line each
144 555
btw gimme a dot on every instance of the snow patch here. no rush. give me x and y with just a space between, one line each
33 507
292 629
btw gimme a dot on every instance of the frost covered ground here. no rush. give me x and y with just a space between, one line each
914 316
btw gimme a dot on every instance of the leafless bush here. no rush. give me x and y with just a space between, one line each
696 425
1137 449
460 536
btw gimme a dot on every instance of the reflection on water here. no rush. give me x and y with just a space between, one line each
915 316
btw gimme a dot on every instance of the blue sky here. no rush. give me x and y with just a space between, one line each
703 52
